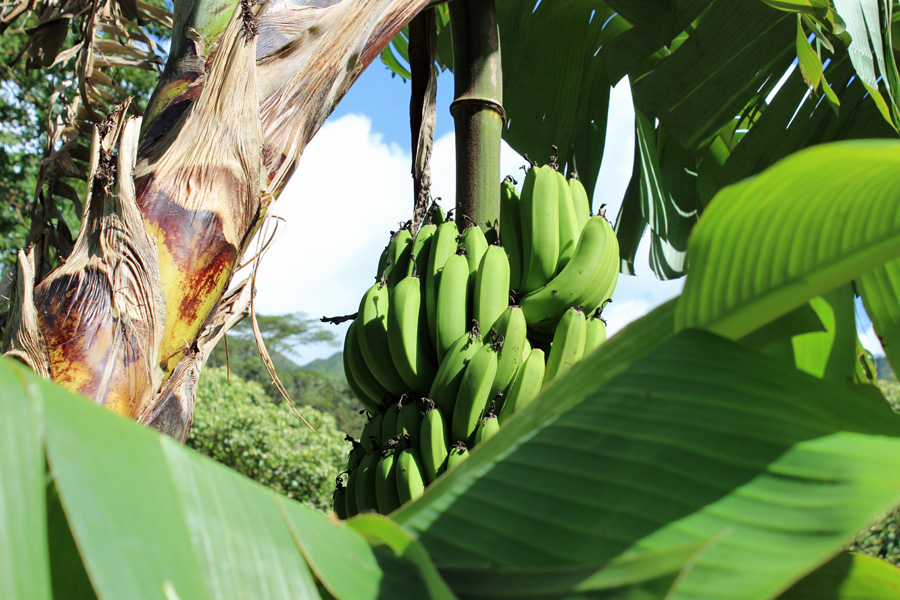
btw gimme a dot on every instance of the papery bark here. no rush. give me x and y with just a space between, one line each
174 201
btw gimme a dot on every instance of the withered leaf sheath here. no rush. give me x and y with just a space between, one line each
174 199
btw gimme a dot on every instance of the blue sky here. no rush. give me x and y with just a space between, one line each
385 100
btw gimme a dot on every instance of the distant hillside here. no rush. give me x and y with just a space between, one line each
332 366
883 367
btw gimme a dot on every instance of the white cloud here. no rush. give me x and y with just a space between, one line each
350 189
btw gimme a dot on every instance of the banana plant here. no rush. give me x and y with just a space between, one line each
728 445
687 457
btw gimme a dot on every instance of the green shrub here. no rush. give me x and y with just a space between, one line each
311 388
238 425
882 539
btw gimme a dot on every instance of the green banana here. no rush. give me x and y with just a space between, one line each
389 422
386 483
365 485
418 265
409 419
595 333
539 213
434 440
339 501
490 425
510 230
350 501
372 336
404 327
383 266
569 231
458 453
435 214
421 247
398 255
491 294
444 244
410 480
356 454
446 382
588 268
580 201
525 385
371 432
568 344
602 294
511 328
473 396
473 240
452 301
359 378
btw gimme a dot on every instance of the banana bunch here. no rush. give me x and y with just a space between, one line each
458 334
565 256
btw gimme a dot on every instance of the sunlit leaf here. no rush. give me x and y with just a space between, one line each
153 519
849 577
691 101
814 221
830 354
24 565
699 439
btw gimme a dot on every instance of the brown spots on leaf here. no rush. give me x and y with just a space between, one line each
91 350
196 251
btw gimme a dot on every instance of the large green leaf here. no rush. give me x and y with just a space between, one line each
708 80
153 519
849 577
24 566
353 568
556 45
70 580
830 354
641 575
668 196
812 222
655 25
700 439
880 291
795 119
865 28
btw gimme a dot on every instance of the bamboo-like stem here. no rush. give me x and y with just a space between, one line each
477 111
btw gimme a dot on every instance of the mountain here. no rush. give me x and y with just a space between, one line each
333 366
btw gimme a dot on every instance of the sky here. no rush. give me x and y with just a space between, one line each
353 186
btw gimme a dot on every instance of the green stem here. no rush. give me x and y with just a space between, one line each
477 110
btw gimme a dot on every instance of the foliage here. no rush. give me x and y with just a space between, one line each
238 425
713 102
728 445
333 366
32 97
882 538
281 333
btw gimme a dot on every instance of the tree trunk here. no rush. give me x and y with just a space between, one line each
174 200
